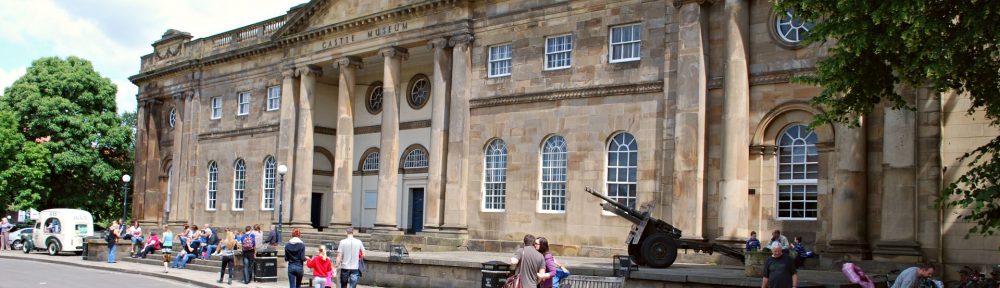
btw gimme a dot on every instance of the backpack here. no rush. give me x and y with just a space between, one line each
248 242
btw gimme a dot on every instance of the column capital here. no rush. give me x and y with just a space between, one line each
463 39
438 43
348 61
679 3
288 71
309 70
183 95
394 51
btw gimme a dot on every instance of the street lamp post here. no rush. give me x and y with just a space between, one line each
125 179
282 169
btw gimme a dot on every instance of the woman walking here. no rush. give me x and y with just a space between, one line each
295 253
321 266
228 247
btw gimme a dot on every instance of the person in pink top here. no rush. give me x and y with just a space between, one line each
152 244
542 245
322 268
136 233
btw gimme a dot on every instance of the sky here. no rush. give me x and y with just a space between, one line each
114 34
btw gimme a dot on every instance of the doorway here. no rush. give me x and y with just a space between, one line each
416 210
317 210
369 208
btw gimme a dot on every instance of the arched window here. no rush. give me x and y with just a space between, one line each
239 183
495 177
173 117
798 173
623 154
213 186
554 161
270 172
371 162
416 157
790 28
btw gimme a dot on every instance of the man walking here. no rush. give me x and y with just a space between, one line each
780 272
529 262
348 256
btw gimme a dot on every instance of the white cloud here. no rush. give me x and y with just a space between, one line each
114 34
7 77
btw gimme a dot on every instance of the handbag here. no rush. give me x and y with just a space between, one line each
361 263
514 281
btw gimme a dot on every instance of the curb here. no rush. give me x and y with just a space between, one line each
119 270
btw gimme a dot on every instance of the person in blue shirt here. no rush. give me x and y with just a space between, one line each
753 244
803 254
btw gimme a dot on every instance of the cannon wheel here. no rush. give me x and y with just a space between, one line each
659 250
635 251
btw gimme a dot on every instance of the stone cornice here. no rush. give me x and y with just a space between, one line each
772 77
270 128
402 126
587 92
679 3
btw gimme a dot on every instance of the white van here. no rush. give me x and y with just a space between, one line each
60 230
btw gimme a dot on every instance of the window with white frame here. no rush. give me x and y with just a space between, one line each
554 161
495 177
500 60
371 162
273 98
243 103
216 107
623 167
270 173
625 43
239 183
416 158
790 28
213 186
557 52
798 173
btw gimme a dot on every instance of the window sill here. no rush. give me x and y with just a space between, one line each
492 211
624 60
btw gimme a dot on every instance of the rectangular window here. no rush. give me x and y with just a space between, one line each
243 104
216 107
499 60
625 41
273 98
557 52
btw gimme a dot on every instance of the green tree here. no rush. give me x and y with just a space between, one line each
61 142
946 45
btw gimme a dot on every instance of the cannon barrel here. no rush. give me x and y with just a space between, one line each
632 212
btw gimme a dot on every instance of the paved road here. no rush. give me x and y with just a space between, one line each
21 273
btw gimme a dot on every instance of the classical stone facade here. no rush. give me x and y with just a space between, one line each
471 123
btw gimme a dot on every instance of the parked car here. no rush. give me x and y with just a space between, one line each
60 230
14 239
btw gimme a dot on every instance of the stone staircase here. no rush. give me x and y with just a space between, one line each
213 264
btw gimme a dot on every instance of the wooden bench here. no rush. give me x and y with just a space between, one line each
581 281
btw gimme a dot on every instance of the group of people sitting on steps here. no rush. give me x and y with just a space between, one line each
802 253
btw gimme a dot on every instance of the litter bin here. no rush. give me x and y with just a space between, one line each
331 249
495 274
265 266
86 246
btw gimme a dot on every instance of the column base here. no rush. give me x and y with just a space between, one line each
847 250
338 228
897 251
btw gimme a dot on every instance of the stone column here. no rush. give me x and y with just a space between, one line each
733 199
849 206
176 211
302 193
286 139
440 82
387 213
899 187
689 135
455 215
343 156
139 176
195 193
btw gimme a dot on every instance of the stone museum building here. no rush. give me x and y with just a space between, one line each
456 124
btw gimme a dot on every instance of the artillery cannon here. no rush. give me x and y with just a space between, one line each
652 241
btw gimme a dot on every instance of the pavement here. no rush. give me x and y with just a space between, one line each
53 271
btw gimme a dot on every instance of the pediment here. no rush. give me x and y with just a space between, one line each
323 13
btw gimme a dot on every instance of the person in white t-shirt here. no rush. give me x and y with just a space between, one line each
349 254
